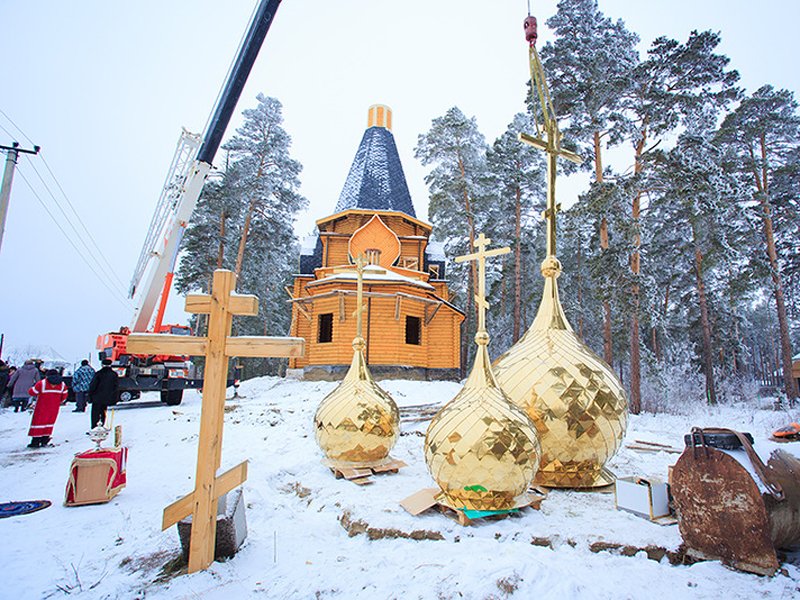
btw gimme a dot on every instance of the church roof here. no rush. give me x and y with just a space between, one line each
376 180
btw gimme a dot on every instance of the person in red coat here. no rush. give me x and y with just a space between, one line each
50 394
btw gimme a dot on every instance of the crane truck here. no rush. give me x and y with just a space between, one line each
155 268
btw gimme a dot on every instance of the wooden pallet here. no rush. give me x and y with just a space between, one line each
427 498
362 473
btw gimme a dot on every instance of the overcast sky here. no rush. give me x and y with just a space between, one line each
105 87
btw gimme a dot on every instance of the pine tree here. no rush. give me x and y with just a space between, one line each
265 173
590 64
673 80
245 222
458 194
692 216
762 136
516 172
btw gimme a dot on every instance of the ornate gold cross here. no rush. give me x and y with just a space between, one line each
552 145
480 256
217 348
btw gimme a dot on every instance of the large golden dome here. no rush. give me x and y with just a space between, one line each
573 397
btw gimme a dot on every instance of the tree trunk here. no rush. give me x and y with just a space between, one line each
243 241
221 247
608 347
517 265
636 376
711 393
790 384
473 276
580 289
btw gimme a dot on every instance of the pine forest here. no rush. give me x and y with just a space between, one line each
680 262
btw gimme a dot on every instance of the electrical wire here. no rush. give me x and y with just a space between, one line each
102 262
114 293
10 120
86 231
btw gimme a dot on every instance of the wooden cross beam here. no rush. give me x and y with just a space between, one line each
480 256
217 348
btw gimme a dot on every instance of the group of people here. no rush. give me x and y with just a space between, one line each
47 392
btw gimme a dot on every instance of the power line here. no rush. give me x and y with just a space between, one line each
10 120
113 292
108 269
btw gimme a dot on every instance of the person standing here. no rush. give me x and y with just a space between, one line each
103 391
21 381
4 377
81 379
50 393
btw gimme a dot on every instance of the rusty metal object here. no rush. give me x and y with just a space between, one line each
724 513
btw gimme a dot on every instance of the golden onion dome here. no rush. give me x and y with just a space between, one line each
358 422
480 449
573 397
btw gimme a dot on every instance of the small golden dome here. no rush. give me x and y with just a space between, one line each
358 422
481 450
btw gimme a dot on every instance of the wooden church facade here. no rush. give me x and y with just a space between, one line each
410 327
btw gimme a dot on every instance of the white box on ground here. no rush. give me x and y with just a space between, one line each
648 498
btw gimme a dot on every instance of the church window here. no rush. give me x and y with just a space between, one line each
409 262
413 330
373 256
325 330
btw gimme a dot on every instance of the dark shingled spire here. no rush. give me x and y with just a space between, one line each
376 180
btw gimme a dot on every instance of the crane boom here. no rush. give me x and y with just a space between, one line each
185 181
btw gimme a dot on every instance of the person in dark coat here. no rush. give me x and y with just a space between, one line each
4 377
21 381
103 392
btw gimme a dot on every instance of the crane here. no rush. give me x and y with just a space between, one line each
152 277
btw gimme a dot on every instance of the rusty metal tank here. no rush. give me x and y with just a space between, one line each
733 507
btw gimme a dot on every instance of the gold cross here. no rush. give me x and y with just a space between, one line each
481 255
217 348
552 146
360 263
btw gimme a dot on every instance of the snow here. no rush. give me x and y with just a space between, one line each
297 547
374 273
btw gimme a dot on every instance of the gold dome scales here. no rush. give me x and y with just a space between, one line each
358 422
482 450
576 402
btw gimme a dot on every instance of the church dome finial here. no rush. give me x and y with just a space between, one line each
380 115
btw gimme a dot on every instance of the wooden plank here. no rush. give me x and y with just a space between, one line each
178 510
341 307
231 478
164 343
198 304
204 531
397 309
244 305
429 318
255 346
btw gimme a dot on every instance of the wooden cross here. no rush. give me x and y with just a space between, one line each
552 146
481 255
217 348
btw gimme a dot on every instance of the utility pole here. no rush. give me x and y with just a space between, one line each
12 152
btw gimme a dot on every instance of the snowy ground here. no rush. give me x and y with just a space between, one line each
297 546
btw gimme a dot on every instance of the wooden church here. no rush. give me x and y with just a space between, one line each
410 327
